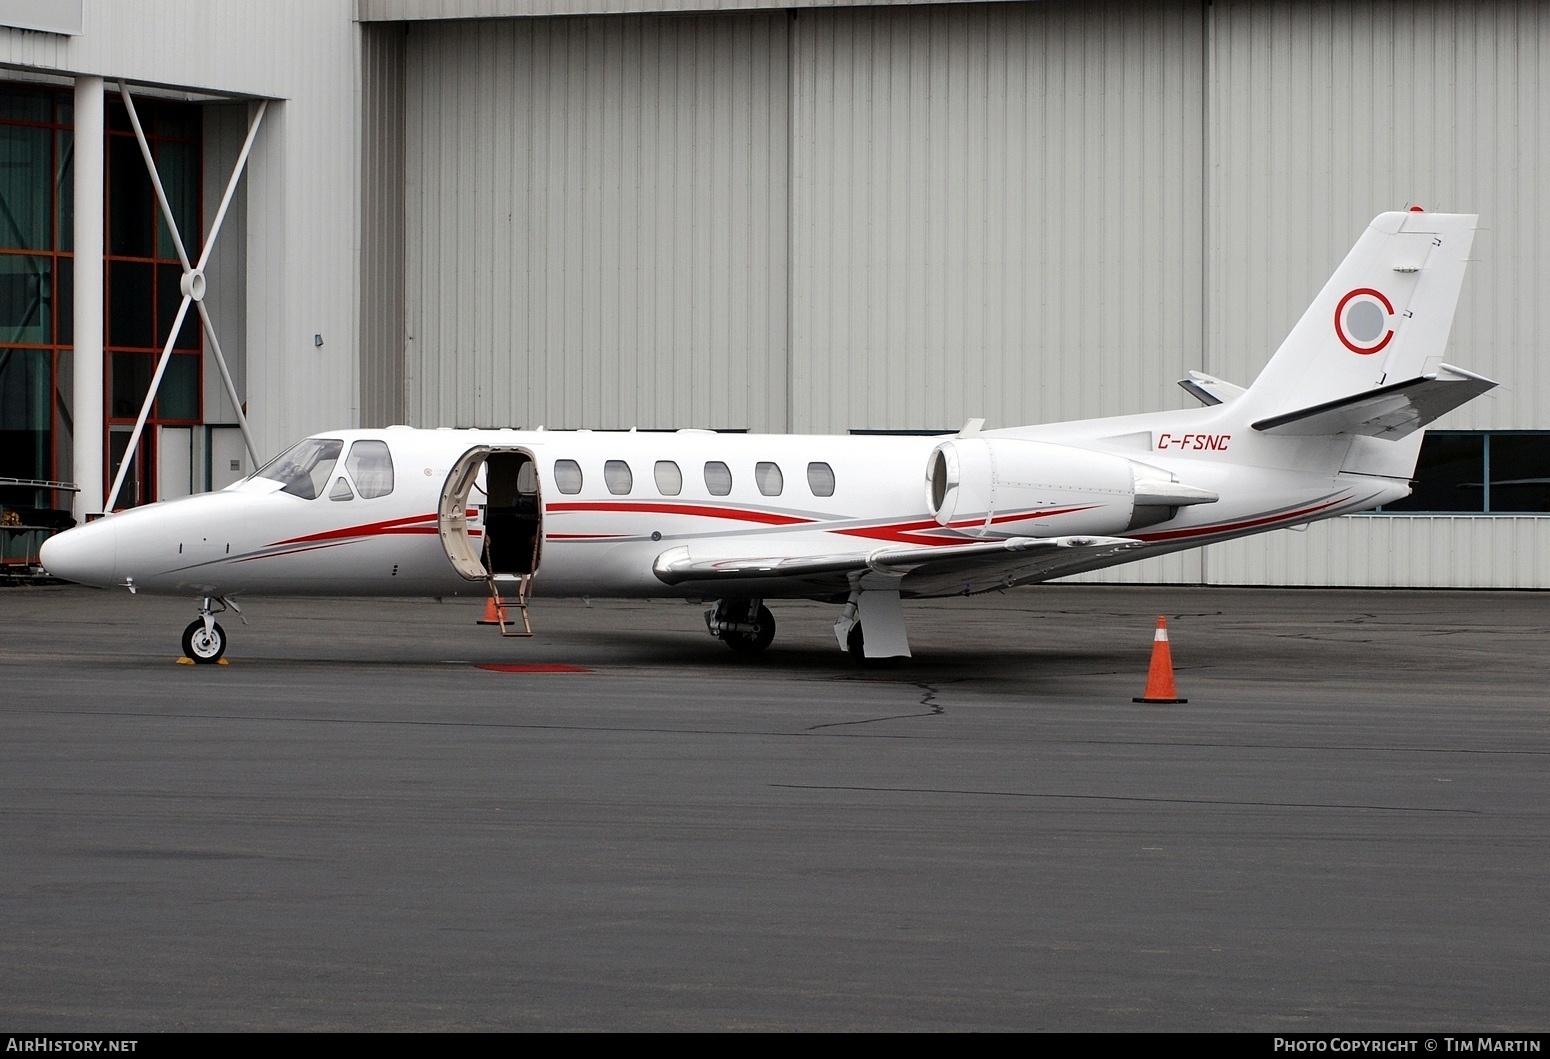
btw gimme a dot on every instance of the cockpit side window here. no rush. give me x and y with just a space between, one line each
303 469
371 465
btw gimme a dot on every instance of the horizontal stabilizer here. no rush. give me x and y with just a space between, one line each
1208 389
1387 412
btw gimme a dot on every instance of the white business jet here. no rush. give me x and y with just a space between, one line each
1331 426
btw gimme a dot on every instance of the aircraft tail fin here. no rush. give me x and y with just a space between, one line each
1366 357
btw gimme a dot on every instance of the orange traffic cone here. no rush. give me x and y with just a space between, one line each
1159 679
494 613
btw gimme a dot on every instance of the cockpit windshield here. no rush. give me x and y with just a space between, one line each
303 469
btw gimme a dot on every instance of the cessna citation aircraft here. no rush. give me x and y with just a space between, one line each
1331 426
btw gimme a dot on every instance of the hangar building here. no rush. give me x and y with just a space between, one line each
755 216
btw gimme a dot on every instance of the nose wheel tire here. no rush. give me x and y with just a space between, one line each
204 647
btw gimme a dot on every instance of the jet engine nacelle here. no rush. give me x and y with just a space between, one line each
1005 487
1008 487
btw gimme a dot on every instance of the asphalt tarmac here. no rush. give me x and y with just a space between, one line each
353 826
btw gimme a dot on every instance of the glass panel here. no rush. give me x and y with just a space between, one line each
178 164
820 479
616 475
767 476
1520 473
718 478
304 468
341 490
178 119
64 426
371 465
567 476
26 177
131 321
25 416
132 494
670 480
64 188
25 104
131 380
64 299
178 397
131 202
169 296
26 312
117 117
1450 475
527 480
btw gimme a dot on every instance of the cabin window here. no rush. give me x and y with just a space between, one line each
303 469
371 465
341 490
567 476
670 480
617 476
767 476
820 479
718 478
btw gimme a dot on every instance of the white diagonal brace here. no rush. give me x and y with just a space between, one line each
193 285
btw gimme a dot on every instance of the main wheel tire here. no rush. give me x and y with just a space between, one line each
745 643
205 648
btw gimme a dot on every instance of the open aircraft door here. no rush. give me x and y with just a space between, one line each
508 550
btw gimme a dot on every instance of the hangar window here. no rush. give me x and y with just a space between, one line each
820 479
767 476
567 476
1504 472
617 476
371 465
670 480
718 478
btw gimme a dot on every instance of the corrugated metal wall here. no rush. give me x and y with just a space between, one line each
996 212
598 229
901 217
597 222
382 226
1321 115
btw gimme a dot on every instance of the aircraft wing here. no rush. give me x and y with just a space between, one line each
922 571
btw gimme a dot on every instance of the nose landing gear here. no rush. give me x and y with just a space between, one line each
204 641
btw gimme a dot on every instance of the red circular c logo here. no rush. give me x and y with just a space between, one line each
1361 321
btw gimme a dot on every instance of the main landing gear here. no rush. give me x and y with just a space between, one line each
204 640
744 625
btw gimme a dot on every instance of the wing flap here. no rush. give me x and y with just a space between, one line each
988 564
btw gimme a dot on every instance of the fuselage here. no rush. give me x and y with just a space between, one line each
612 502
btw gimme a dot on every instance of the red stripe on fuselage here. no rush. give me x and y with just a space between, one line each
631 507
1233 527
410 524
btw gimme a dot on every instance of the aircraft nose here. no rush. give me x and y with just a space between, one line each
86 555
